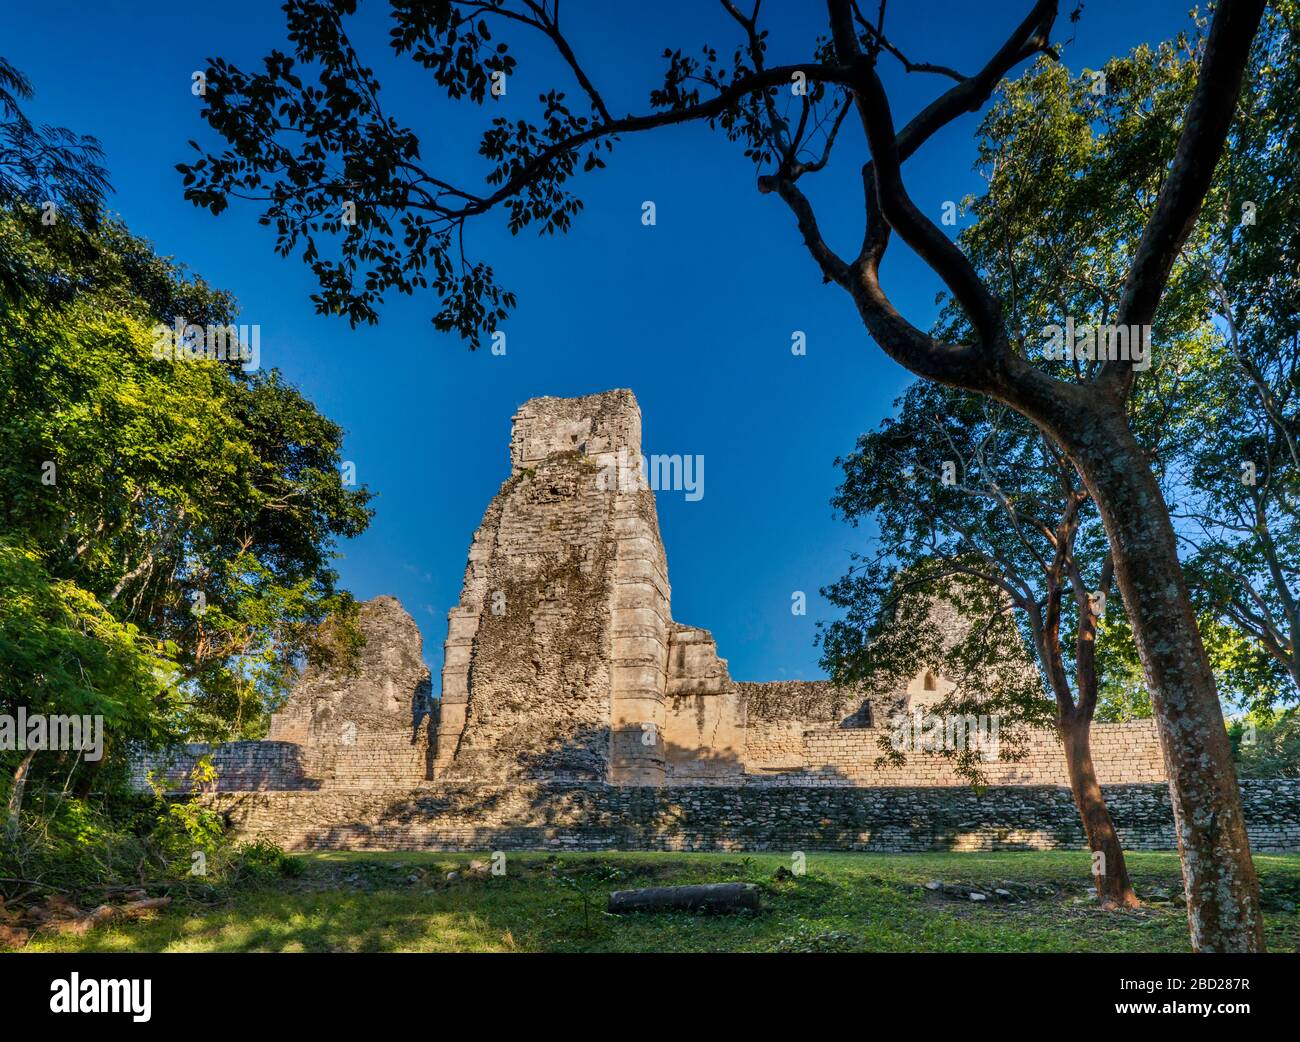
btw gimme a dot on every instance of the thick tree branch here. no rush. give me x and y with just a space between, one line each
888 205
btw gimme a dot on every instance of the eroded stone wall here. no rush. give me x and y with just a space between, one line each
592 816
556 656
385 687
704 734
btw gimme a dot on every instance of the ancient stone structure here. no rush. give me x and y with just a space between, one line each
576 712
364 724
596 816
557 655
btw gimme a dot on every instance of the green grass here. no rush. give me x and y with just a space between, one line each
844 902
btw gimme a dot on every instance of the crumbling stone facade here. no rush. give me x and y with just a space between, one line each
565 677
557 654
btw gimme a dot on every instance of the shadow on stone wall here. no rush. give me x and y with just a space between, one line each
547 752
588 816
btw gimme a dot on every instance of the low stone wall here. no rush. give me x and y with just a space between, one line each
789 753
239 765
590 816
365 760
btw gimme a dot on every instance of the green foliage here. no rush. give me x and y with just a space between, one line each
590 882
1238 490
1267 745
43 166
263 860
167 527
62 652
963 571
89 845
305 130
1072 177
185 511
808 939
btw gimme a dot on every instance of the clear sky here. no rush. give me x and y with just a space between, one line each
694 314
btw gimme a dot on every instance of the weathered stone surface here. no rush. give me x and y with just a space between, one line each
562 664
557 651
704 733
702 897
595 816
389 689
365 726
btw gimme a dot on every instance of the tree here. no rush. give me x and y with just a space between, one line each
306 151
1238 491
167 524
1064 165
192 500
50 176
974 505
63 654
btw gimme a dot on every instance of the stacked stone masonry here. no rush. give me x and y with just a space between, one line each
593 816
575 711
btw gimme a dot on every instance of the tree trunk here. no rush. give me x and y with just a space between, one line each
1109 871
1222 891
16 795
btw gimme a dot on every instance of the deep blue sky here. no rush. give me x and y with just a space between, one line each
694 314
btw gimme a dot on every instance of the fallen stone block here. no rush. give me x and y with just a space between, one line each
703 897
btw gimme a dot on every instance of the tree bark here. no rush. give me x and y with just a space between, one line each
1110 872
1218 873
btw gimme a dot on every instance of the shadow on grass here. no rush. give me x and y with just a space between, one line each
845 902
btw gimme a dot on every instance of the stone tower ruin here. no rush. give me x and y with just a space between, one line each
564 667
557 656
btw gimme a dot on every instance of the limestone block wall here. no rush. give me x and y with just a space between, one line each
706 741
366 760
240 766
291 724
369 760
704 734
788 753
591 816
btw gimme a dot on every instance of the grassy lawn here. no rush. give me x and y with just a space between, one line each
844 902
